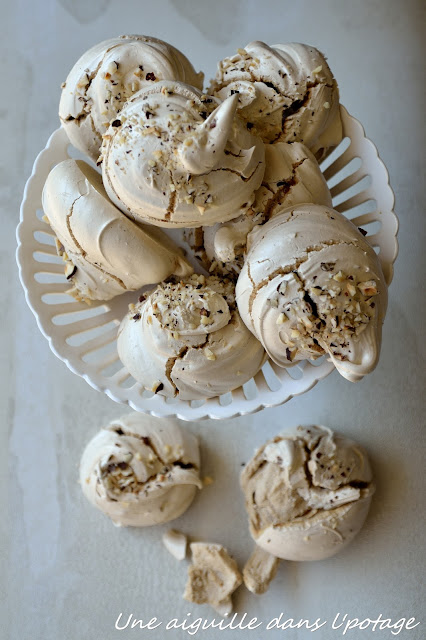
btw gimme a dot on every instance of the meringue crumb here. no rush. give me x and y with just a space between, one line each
209 354
318 69
175 543
132 307
281 318
326 105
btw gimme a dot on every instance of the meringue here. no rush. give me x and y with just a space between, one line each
286 93
312 284
187 339
140 470
259 570
212 578
307 493
107 75
178 158
105 253
292 176
175 543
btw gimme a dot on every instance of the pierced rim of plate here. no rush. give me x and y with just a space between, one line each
359 185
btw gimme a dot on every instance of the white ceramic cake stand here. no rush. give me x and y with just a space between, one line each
84 337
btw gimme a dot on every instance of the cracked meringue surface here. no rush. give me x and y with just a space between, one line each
307 493
312 284
141 471
107 75
105 253
286 93
187 339
292 176
213 577
178 158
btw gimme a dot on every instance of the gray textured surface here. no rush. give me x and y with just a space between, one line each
68 572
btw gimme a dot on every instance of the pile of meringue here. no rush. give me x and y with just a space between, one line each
285 276
307 494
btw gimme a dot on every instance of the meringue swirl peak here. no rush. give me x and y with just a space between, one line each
178 158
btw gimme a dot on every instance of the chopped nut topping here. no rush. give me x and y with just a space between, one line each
368 288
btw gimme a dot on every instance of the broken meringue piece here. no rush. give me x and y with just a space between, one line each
105 253
259 570
175 543
178 158
286 93
140 470
187 339
292 176
307 493
312 284
107 75
213 577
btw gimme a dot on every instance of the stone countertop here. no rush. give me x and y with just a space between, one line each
67 572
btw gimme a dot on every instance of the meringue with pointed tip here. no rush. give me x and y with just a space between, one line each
187 339
178 158
286 93
105 253
307 493
107 75
141 471
292 176
312 284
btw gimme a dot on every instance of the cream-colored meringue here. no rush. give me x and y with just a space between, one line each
292 176
213 577
187 339
105 77
140 470
178 158
286 93
105 253
307 493
259 570
312 284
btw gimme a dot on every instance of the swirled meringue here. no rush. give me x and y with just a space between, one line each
292 176
105 77
312 284
105 253
307 493
187 339
286 93
140 470
177 158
